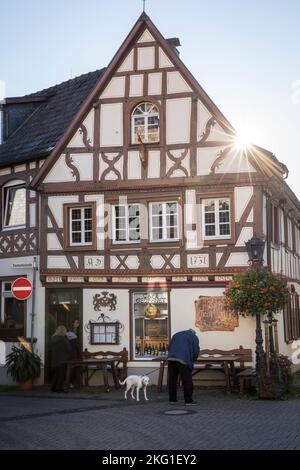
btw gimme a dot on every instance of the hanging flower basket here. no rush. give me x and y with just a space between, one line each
260 292
257 291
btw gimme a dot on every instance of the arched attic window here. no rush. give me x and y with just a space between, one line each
145 123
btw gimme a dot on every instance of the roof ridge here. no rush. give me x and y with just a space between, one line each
39 132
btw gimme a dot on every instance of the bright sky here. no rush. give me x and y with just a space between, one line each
244 53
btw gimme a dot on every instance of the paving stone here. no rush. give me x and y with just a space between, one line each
107 421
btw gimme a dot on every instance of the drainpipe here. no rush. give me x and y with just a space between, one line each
35 268
269 229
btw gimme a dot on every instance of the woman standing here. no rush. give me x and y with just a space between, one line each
60 352
75 354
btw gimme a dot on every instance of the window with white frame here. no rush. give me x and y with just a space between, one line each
216 218
81 225
145 123
126 223
164 224
14 207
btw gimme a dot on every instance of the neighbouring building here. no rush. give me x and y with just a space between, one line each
126 186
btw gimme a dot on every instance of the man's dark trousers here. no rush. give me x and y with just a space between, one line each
176 369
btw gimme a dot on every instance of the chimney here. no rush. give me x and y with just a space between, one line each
1 123
174 43
2 103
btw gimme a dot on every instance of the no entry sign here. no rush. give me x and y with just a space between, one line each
21 288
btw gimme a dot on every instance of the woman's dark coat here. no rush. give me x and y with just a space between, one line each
75 346
60 350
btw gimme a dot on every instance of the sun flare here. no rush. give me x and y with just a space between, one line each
242 140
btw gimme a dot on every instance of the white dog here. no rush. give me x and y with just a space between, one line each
136 382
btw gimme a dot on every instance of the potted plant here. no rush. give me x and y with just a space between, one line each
24 366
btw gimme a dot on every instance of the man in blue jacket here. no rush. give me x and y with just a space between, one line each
183 351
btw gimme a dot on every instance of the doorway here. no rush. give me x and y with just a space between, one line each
63 307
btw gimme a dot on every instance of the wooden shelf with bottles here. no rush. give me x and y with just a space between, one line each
152 347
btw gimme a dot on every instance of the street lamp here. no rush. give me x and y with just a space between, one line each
255 247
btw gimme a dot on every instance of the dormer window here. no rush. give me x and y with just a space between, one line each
145 123
14 207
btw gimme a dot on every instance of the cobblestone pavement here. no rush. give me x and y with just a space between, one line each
107 421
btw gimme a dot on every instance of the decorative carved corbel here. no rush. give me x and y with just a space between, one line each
85 138
74 170
210 123
219 160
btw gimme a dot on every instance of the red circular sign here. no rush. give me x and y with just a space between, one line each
21 288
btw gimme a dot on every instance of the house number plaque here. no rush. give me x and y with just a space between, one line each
94 262
197 261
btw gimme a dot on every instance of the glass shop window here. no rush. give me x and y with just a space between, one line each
12 314
151 326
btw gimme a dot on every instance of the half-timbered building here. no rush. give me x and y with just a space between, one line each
126 187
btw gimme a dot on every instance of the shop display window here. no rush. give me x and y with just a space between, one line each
151 324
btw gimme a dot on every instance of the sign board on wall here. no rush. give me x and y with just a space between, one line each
22 265
212 314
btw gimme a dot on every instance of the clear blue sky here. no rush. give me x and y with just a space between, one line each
245 54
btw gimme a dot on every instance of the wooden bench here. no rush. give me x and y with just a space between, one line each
245 374
243 356
121 364
246 377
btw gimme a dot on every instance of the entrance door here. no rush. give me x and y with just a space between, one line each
63 307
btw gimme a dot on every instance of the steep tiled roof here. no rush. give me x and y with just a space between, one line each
47 120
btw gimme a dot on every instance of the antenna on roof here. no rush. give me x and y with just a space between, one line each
144 6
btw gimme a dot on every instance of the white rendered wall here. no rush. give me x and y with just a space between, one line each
178 120
111 125
121 314
183 316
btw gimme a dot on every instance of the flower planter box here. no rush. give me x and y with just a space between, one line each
10 334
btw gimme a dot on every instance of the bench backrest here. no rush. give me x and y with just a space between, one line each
244 355
98 354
